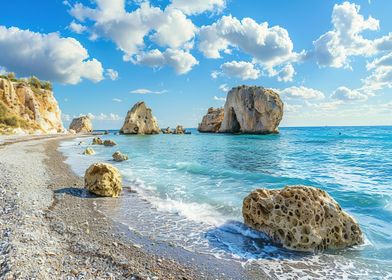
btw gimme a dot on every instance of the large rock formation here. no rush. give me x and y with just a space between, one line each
81 125
301 218
103 179
28 105
252 110
212 121
139 120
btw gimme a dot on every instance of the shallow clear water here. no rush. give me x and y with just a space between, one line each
193 186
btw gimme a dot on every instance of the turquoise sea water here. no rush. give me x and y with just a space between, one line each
195 184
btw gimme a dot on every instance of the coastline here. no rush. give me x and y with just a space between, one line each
51 230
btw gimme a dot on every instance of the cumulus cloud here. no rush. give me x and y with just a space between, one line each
147 91
302 93
325 106
384 43
111 74
346 94
77 27
269 46
104 117
336 46
238 69
198 6
286 74
224 88
117 100
47 56
219 98
180 60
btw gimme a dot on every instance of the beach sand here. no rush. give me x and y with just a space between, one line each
50 229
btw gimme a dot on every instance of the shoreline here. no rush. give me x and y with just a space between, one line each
69 237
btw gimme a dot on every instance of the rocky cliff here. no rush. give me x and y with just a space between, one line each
81 125
212 121
252 110
139 120
28 106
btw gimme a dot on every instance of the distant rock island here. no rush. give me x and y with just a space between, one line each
81 124
248 109
139 120
28 106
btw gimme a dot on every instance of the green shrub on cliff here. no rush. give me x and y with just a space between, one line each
9 119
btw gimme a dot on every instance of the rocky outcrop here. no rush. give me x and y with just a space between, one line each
89 151
212 121
103 179
179 130
109 143
253 110
139 120
118 156
81 125
29 107
301 218
167 130
97 141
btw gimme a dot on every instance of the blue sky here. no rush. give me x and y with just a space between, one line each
331 61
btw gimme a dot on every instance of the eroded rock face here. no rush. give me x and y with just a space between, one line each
81 125
139 120
253 110
212 121
301 218
33 109
118 156
89 151
109 143
103 179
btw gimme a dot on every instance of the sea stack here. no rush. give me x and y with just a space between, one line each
301 218
81 125
212 121
139 120
252 110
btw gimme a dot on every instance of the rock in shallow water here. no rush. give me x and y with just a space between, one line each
97 141
212 121
301 218
103 179
109 143
118 156
89 151
139 120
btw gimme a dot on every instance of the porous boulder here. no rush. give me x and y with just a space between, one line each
89 151
118 156
103 179
97 141
212 121
179 130
139 120
301 218
81 125
109 143
252 110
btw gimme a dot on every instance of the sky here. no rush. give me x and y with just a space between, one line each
330 61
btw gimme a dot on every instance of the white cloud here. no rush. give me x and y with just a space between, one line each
219 98
47 56
346 94
180 60
292 108
302 93
147 91
198 6
325 106
336 46
224 88
384 43
269 46
77 27
116 100
286 74
239 69
111 74
104 117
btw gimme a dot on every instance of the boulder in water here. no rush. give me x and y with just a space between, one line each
109 143
253 110
167 131
212 121
118 156
97 141
81 125
89 151
139 120
179 130
301 218
103 179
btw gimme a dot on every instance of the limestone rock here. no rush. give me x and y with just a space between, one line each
89 151
301 218
118 156
97 141
179 130
109 143
253 110
167 131
212 121
103 179
29 108
81 125
139 120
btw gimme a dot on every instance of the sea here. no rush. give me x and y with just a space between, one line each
190 189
